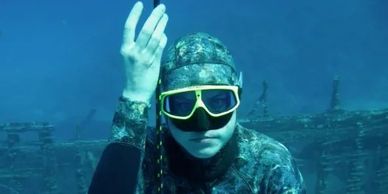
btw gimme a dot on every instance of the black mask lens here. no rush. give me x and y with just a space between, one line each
180 104
218 101
201 121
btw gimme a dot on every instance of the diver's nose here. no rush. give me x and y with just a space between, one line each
201 119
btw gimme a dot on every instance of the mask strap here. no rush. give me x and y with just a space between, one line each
159 137
240 79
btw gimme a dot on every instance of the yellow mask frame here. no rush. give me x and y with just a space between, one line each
199 102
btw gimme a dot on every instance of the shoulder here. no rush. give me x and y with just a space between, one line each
275 167
264 149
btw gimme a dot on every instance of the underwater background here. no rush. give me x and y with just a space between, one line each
60 63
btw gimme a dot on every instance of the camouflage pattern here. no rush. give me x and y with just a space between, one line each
261 166
196 59
249 163
130 115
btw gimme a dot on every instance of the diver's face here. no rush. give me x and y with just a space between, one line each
204 144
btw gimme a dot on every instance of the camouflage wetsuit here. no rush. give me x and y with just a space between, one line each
249 163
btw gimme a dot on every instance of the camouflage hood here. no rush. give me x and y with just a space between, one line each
197 59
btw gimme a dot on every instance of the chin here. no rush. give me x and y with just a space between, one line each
202 155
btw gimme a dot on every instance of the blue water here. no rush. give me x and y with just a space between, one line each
60 59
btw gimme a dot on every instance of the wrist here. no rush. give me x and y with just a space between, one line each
132 96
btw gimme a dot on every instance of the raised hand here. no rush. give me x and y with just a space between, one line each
142 56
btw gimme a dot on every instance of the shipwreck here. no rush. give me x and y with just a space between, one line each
338 151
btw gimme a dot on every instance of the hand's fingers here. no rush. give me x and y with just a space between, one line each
156 36
150 25
159 51
131 23
162 45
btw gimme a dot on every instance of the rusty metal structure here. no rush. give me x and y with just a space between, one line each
338 151
343 151
44 166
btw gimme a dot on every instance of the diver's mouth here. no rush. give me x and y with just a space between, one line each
203 139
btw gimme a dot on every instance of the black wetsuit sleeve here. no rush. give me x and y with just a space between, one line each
119 164
117 170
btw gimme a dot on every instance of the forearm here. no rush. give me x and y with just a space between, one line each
130 123
116 171
119 164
